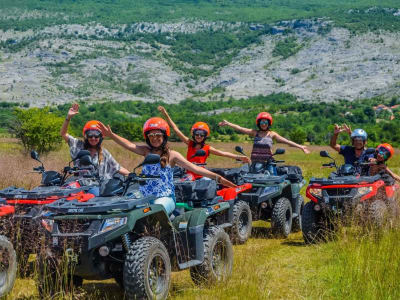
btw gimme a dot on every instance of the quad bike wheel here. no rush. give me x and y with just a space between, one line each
296 225
281 219
147 270
241 223
312 226
377 212
8 266
218 258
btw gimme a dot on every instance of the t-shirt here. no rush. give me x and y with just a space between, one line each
349 155
108 166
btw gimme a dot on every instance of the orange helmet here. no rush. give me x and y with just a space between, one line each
91 125
156 123
386 147
264 115
200 126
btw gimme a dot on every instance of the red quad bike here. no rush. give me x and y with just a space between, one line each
204 192
22 226
8 258
343 194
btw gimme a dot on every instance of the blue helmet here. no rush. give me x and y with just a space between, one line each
359 133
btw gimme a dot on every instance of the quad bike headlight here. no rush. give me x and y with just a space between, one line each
364 190
112 223
48 224
316 192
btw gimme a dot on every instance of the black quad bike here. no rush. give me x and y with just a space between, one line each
274 198
133 241
204 192
8 258
21 227
347 193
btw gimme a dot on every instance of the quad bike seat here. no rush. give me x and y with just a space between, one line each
198 193
294 173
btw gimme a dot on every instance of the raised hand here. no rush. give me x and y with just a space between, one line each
305 150
105 130
74 110
223 123
162 110
346 128
337 129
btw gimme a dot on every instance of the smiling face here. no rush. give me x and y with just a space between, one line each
93 137
199 136
358 143
156 138
264 124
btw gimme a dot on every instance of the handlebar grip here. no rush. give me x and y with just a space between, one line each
326 165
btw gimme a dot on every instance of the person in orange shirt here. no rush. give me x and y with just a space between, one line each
200 132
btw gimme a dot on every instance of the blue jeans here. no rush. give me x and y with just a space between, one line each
94 190
167 202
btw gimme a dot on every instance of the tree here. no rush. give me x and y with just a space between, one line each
37 129
298 136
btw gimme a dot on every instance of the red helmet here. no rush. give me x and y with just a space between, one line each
156 123
91 125
200 126
264 115
388 147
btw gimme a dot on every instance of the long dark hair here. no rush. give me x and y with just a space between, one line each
99 148
164 158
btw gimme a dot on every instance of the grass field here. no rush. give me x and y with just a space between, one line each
360 264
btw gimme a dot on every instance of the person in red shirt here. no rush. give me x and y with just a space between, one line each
200 132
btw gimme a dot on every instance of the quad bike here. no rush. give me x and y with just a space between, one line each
8 258
204 192
133 241
21 227
346 193
275 194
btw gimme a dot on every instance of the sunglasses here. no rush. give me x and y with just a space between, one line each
95 136
200 134
155 135
383 152
264 123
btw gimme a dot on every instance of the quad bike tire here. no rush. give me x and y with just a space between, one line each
377 212
52 280
147 270
281 219
218 258
313 228
241 223
296 225
8 266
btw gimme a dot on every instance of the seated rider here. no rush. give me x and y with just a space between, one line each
354 153
200 132
156 132
263 139
378 163
105 164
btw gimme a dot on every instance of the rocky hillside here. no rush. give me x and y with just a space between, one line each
312 59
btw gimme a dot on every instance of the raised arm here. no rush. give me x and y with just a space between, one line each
171 123
338 129
390 172
178 159
247 131
280 139
230 155
107 132
74 110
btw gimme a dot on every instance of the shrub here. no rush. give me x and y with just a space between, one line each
37 129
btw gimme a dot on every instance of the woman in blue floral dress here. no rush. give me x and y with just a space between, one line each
156 132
